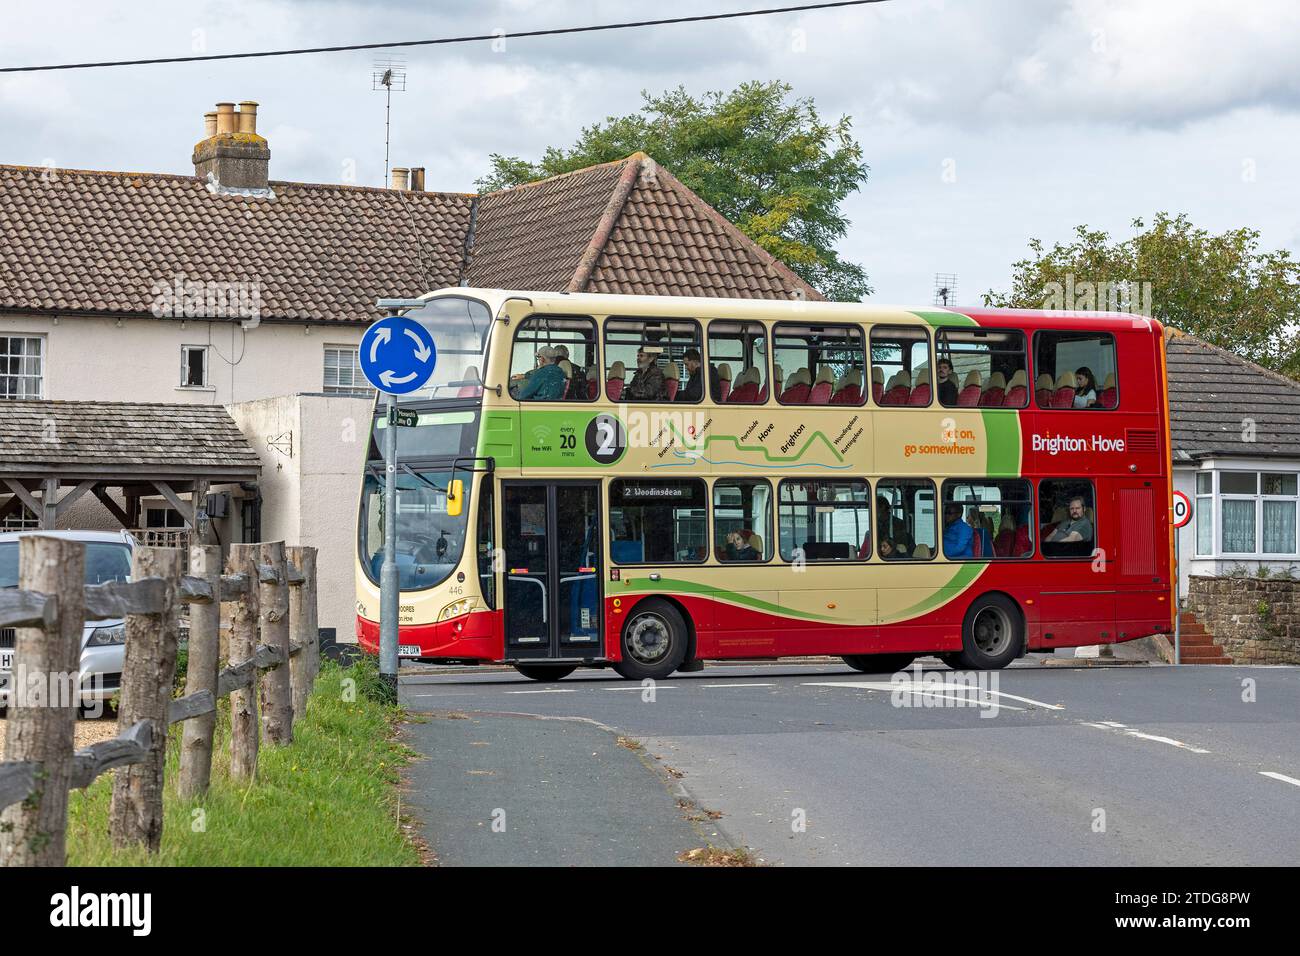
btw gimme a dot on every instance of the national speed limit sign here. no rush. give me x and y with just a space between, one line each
1182 509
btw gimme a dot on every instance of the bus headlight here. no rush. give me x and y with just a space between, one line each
457 608
105 636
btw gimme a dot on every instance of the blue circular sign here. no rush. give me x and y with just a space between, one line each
397 355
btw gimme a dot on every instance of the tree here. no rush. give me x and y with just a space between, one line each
1221 288
770 164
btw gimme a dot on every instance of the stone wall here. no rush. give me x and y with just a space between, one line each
1254 620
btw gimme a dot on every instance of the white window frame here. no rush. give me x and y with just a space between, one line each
185 367
359 384
40 374
1259 499
1206 508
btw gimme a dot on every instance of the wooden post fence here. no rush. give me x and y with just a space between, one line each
273 607
43 710
49 609
201 673
243 645
303 625
135 814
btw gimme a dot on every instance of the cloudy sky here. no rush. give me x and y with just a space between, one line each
984 122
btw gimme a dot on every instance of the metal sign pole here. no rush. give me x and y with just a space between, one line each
1178 604
388 583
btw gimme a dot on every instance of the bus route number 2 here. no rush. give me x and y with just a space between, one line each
606 439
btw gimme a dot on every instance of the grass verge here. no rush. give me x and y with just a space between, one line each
328 799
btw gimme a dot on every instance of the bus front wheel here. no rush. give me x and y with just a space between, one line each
654 641
991 635
546 672
878 663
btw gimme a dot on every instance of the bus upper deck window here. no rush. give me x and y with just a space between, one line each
554 360
981 368
900 365
738 373
651 360
1076 370
820 364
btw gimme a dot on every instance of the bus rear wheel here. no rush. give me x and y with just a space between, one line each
878 663
546 672
991 635
654 641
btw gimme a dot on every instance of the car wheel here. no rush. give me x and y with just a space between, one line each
992 634
654 641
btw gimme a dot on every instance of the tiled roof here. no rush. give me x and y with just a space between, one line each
90 438
668 241
97 242
1222 405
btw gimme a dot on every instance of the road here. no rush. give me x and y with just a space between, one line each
820 765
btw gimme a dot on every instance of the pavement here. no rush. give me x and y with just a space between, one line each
811 763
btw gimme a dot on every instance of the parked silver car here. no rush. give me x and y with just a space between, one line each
108 558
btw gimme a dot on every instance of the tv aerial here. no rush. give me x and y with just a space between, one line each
389 75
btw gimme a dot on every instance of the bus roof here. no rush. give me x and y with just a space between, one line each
562 303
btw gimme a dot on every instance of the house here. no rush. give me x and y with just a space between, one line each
228 288
1236 452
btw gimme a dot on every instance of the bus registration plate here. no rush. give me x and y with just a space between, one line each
408 650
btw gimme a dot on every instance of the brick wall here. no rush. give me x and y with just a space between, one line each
1254 620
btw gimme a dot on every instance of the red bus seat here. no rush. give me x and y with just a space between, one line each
1017 395
921 388
877 384
1108 397
614 381
1043 391
995 392
1063 397
969 396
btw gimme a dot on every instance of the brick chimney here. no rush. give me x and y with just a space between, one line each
233 158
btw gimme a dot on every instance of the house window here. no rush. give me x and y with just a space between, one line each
194 366
343 371
163 518
1258 512
1205 513
22 366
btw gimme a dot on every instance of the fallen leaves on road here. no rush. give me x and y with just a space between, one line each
716 856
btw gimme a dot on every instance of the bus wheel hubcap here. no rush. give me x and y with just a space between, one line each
648 638
992 631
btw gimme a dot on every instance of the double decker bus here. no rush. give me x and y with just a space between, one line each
646 483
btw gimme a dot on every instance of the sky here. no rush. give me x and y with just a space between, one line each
984 123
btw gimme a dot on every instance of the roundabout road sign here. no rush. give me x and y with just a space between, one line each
1182 509
397 355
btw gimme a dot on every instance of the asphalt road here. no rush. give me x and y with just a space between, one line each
821 765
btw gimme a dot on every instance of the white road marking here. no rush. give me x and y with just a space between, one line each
553 690
1165 740
738 685
657 687
919 687
1280 776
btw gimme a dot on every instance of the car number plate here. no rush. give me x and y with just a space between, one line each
408 650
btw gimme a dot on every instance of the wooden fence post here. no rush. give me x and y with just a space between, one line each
135 815
242 647
201 674
303 627
273 604
43 709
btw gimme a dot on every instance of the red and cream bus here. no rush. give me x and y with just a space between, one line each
646 483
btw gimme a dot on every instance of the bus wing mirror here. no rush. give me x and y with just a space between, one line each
455 497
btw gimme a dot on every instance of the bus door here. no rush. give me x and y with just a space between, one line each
551 539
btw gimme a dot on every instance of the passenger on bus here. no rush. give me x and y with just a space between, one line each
546 382
1076 528
693 390
579 372
741 546
893 550
647 384
947 387
958 535
1085 388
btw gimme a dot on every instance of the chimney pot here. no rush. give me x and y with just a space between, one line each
401 178
417 179
248 117
210 124
225 118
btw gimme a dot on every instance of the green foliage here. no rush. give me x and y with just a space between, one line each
370 684
1221 288
768 163
182 668
328 799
